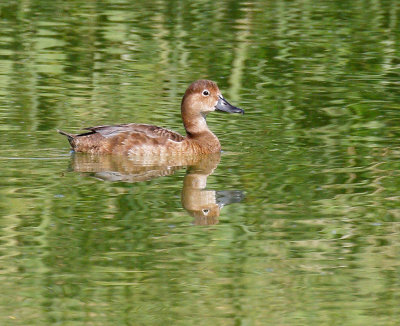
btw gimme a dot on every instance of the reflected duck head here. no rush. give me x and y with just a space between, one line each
207 215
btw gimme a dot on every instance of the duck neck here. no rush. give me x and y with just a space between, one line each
197 130
195 124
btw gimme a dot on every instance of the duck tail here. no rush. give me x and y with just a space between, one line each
69 136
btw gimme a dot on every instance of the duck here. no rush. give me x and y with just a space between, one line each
138 140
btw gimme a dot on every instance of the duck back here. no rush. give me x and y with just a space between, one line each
132 138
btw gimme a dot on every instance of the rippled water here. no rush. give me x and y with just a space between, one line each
296 223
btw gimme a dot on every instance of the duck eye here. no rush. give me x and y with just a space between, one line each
206 93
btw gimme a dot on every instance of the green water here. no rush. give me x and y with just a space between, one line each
311 236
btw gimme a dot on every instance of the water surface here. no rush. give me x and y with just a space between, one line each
309 234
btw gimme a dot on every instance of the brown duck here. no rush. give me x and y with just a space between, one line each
133 139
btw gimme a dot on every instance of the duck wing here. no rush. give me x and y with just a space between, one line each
144 129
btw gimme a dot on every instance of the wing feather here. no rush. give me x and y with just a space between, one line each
145 129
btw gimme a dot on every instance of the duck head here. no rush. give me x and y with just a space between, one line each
203 97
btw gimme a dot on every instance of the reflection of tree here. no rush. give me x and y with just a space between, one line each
331 56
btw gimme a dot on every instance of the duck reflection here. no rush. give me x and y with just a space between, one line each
203 204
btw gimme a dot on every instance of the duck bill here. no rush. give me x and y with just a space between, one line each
224 105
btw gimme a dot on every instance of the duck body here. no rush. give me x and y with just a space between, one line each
133 139
139 140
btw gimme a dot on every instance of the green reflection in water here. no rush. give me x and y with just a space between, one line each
315 241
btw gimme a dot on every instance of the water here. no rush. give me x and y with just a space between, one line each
303 204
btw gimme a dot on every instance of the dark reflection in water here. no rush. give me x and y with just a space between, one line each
204 205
